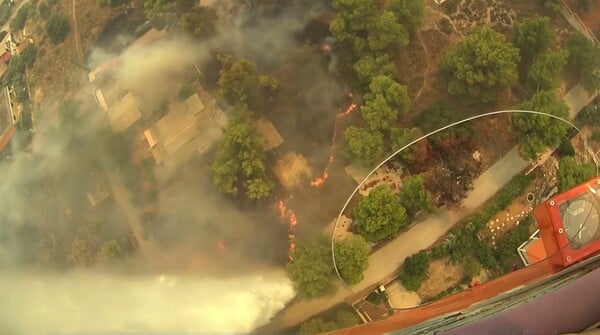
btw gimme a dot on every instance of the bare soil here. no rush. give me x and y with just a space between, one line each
55 63
591 18
442 276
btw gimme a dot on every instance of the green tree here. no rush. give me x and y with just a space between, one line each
352 258
414 270
480 65
268 82
386 32
370 66
417 153
238 82
571 173
258 188
534 36
410 13
395 94
239 162
346 318
378 114
380 215
565 148
317 326
155 7
199 22
552 4
352 20
111 3
440 114
29 55
311 269
365 145
414 197
18 21
585 5
539 132
544 72
111 250
585 56
57 28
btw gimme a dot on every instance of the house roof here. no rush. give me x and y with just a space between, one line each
23 46
124 113
6 137
149 37
3 69
102 68
5 57
182 127
271 136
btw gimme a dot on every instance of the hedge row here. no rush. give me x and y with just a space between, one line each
461 243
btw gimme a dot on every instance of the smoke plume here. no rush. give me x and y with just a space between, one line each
101 303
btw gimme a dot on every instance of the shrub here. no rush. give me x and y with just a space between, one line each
57 28
18 21
506 249
414 271
565 148
596 135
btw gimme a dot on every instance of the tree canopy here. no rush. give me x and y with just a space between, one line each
414 196
352 258
317 326
418 152
372 65
155 7
552 4
239 162
199 22
414 270
238 81
585 56
380 215
311 270
539 132
533 36
544 72
352 19
480 65
395 94
57 28
386 32
409 13
378 114
365 146
571 173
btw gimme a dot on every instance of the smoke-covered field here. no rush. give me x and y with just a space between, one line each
91 302
211 266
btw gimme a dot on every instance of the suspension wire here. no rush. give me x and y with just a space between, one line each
512 111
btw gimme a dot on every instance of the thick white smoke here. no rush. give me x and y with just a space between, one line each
101 303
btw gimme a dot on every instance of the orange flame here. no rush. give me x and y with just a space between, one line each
319 181
281 208
292 216
287 214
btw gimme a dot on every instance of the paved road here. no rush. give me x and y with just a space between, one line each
384 263
123 198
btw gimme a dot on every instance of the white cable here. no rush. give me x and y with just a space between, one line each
512 111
